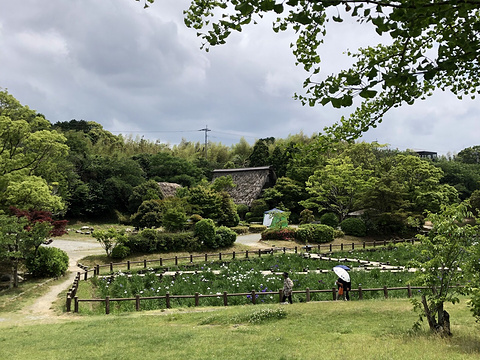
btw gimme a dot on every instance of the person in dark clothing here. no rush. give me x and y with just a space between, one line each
343 289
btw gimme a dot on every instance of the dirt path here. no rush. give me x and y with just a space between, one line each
40 310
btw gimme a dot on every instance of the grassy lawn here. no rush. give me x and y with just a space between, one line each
373 329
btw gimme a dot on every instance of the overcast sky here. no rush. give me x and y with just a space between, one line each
142 72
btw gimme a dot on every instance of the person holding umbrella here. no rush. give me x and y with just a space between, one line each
343 282
287 288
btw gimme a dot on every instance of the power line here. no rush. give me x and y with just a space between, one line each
206 129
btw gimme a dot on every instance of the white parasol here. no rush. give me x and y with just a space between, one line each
342 273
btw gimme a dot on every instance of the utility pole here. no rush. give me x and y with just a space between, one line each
206 129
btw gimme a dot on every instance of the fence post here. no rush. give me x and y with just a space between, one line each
341 246
233 255
364 244
353 246
107 305
98 270
280 295
86 275
331 248
206 257
254 299
360 293
137 302
225 301
385 291
69 301
219 256
259 253
246 254
334 293
409 289
161 262
144 263
307 295
374 243
94 271
176 260
167 299
76 304
128 264
296 250
111 267
284 249
191 258
196 299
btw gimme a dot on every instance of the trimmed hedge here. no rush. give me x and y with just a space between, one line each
354 227
279 234
240 229
315 233
330 219
257 228
150 241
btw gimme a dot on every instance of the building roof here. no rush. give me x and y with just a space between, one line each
249 182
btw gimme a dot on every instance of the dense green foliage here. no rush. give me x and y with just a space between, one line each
48 262
353 226
315 233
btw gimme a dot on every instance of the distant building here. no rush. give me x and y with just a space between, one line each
432 155
249 182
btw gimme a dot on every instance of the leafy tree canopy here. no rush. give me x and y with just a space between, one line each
425 45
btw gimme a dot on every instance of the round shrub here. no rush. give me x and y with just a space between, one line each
353 226
49 262
306 216
330 219
174 220
225 237
120 251
315 233
205 232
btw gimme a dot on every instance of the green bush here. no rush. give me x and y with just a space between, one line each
120 251
315 233
279 234
257 228
306 216
338 233
205 232
174 220
150 241
225 237
240 229
242 210
49 262
353 226
330 219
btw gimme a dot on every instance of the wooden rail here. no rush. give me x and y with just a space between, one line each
253 295
233 255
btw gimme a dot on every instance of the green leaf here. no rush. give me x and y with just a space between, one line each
244 8
367 94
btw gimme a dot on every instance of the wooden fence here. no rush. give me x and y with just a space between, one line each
253 295
71 294
233 255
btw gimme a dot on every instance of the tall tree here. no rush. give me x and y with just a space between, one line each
30 152
338 187
445 249
423 45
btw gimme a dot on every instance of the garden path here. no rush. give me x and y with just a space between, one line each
40 310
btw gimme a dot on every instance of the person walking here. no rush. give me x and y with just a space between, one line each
287 288
343 289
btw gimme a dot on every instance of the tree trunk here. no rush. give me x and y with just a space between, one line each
442 327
